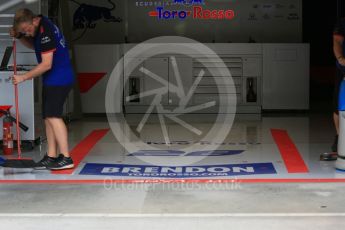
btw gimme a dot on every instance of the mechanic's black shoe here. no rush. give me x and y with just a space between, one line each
62 163
46 161
335 144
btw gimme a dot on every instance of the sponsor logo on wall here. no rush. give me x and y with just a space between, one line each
252 17
169 3
86 16
187 9
293 16
270 12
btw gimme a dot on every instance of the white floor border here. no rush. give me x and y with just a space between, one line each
192 215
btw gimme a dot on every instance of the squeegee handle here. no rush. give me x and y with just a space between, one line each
16 97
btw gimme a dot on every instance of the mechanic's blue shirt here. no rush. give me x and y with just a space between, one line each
50 39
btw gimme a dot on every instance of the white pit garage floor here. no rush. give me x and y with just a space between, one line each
266 174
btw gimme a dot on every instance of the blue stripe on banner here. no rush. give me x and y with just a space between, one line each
122 170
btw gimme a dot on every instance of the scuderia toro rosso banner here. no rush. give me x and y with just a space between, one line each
194 9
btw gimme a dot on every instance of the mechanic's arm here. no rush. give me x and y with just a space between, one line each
338 49
44 66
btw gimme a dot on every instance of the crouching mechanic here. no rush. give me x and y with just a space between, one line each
40 34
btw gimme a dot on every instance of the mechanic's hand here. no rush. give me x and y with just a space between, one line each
13 33
16 79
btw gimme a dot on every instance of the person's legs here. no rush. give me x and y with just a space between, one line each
336 122
64 161
336 125
334 148
338 79
57 135
59 130
51 157
51 152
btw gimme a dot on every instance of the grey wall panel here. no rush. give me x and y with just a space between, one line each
285 76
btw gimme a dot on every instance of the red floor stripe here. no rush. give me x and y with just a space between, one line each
187 181
292 158
83 148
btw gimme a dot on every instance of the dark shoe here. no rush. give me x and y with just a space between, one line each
329 156
335 144
62 163
46 161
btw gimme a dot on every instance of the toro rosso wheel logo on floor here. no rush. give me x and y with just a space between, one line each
176 50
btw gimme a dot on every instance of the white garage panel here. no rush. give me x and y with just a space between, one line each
285 76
